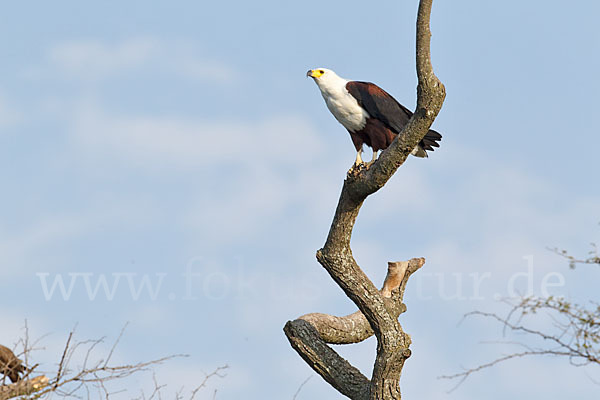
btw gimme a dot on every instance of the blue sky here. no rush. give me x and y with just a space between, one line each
181 143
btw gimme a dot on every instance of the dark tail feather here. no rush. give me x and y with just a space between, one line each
430 140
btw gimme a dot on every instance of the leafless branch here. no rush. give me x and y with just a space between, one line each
575 332
592 258
83 370
300 387
219 372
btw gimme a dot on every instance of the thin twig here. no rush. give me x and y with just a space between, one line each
301 386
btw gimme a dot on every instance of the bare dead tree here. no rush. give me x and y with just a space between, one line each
547 326
84 369
379 310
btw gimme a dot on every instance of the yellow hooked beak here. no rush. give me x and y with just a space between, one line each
315 73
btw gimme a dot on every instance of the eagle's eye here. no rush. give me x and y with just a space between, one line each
321 71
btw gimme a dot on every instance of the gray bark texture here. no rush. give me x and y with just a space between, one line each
379 310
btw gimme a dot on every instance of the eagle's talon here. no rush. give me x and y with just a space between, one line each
356 168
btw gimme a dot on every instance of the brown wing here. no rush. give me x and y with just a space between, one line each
379 104
382 106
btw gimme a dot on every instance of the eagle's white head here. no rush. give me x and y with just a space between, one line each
340 102
327 80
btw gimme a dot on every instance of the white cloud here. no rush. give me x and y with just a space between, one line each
269 165
45 242
17 247
176 142
204 70
8 114
95 60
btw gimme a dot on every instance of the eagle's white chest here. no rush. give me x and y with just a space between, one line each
345 109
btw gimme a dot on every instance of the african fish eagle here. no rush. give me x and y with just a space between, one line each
370 114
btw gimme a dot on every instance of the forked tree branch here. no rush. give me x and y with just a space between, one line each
355 328
378 310
310 334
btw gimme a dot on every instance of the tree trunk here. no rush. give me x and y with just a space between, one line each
379 310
